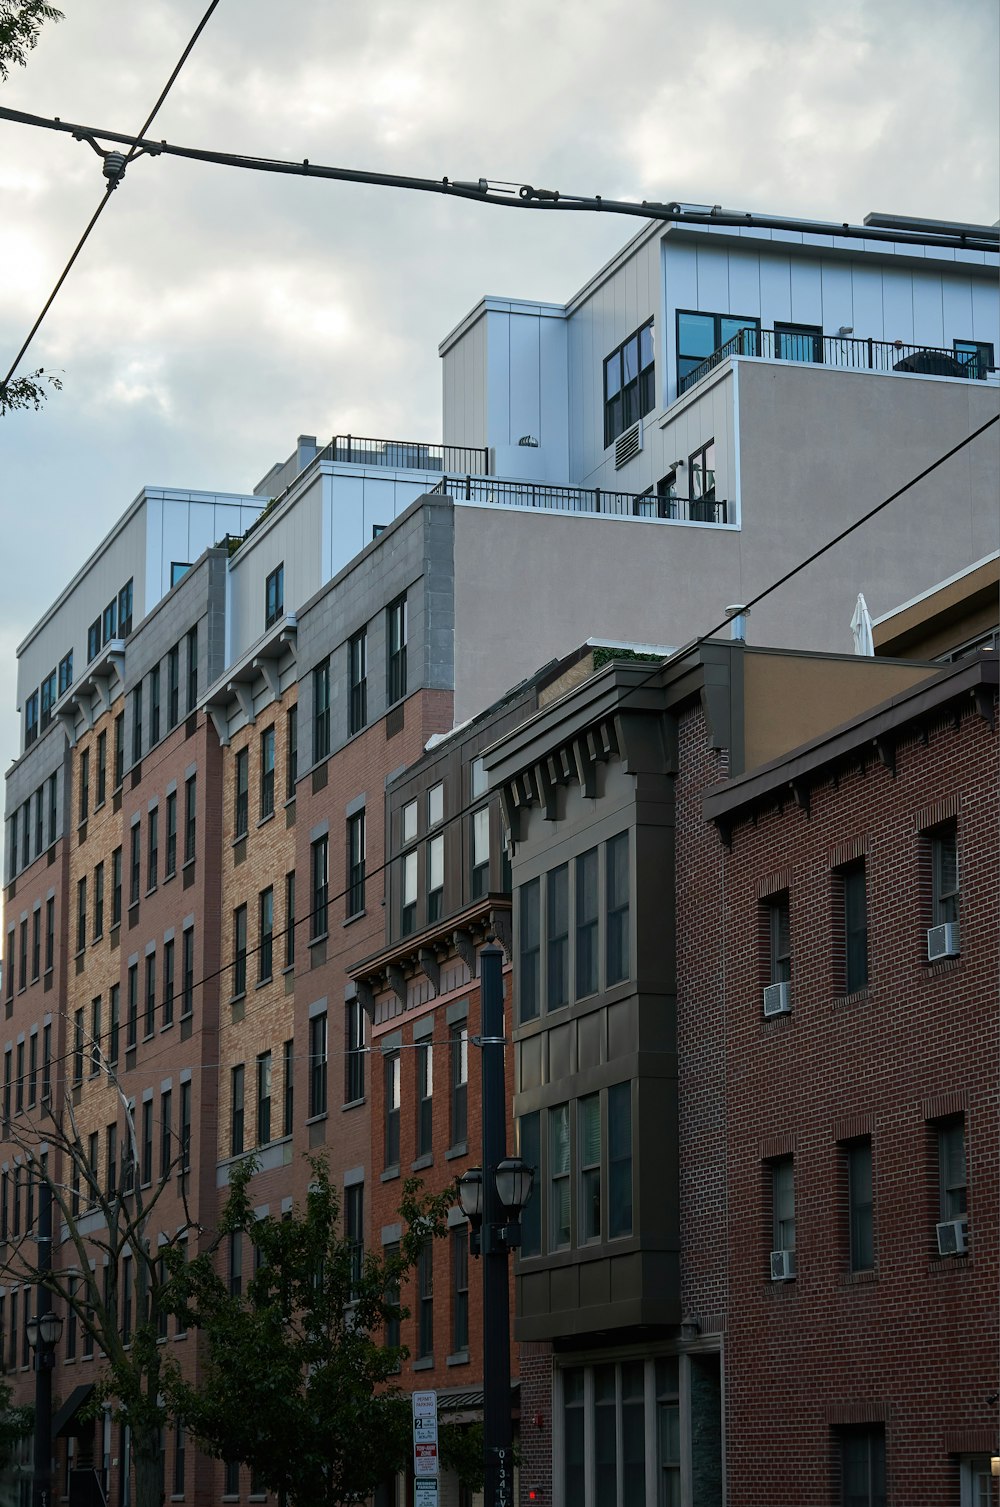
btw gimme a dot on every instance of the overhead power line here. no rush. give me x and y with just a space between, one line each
114 167
508 195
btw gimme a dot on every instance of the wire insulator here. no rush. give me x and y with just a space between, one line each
114 167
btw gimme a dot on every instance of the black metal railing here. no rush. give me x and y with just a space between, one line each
406 455
596 500
845 351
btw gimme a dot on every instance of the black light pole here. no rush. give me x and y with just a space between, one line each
44 1330
493 1197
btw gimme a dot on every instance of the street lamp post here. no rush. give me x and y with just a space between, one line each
44 1330
492 1197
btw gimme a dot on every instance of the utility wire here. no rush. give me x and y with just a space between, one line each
525 195
655 670
113 171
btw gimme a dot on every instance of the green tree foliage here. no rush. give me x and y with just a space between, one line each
20 23
15 1424
298 1382
26 392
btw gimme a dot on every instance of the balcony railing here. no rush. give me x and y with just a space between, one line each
406 455
844 351
527 494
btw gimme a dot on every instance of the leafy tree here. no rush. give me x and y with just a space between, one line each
298 1382
16 1424
20 23
26 392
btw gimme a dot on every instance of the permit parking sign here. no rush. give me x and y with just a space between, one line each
425 1442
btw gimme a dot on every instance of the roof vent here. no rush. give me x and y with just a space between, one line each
628 445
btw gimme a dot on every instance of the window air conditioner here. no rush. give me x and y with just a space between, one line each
942 941
952 1237
778 998
628 445
782 1266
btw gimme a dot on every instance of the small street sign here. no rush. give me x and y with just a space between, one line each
425 1493
425 1445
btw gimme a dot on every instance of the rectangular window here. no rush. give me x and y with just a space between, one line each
242 793
460 1291
31 719
132 1008
588 1131
81 913
559 1228
78 1035
173 686
798 342
170 861
265 951
48 698
153 849
116 887
36 943
98 901
33 1059
321 711
125 610
266 772
102 769
357 654
320 866
425 1301
944 874
111 1160
391 1068
782 1209
354 1058
528 981
9 956
617 902
435 879
192 668
84 785
288 1074
114 1022
855 921
701 335
149 1024
119 749
862 1466
185 1127
480 852
135 869
779 968
701 481
356 863
66 672
168 982
154 705
629 383
187 972
860 1205
290 919
190 817
396 638
976 356
619 1160
425 1098
263 1099
53 806
236 1111
291 751
240 950
354 1232
317 1065
408 899
458 1052
147 1142
23 959
586 924
93 640
557 937
137 724
952 1175
39 841
274 596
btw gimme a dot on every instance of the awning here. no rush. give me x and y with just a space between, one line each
64 1420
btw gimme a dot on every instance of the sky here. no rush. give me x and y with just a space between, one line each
215 315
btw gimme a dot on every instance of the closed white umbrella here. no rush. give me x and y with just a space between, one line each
861 627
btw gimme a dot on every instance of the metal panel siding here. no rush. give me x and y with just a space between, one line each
744 282
713 279
524 397
928 309
464 389
807 292
957 305
837 295
986 314
775 290
897 306
867 282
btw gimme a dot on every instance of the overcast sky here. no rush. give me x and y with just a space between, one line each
215 315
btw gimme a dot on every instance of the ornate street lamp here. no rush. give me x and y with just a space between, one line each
44 1330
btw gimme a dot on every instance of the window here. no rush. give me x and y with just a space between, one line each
265 950
798 342
135 870
93 640
354 1232
559 1227
168 982
187 972
190 817
425 1301
132 1008
291 751
782 1172
153 849
391 1068
288 1074
263 1098
178 570
102 769
36 943
408 822
31 719
290 919
952 1176
701 483
396 638
629 383
33 1053
137 724
458 1051
274 596
356 863
111 1160
78 1034
236 1109
619 1160
170 863
240 950
53 805
81 913
231 1480
588 1129
460 1290
853 903
116 887
860 1205
185 1127
48 698
480 852
617 902
701 335
586 924
354 1056
976 356
242 793
149 1024
862 1465
192 667
317 1065
125 610
266 772
321 711
147 1142
66 672
39 794
408 912
435 879
173 686
530 951
557 951
779 965
425 1098
114 1022
609 1444
98 901
944 874
435 804
357 657
154 705
320 887
84 785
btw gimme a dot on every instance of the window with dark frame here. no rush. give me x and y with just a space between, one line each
265 949
48 693
619 1160
317 1065
557 937
944 874
356 844
354 1233
149 1022
288 1087
154 705
170 861
236 1109
782 1189
391 1074
953 1192
321 711
98 901
700 335
173 686
291 751
84 785
702 505
425 1301
854 901
192 669
241 788
588 1144
263 1098
116 887
408 896
458 1055
559 1188
629 383
798 342
529 932
152 848
119 731
617 887
135 867
185 1127
460 1290
357 657
102 770
860 1204
125 610
320 870
587 981
168 982
267 772
187 971
239 950
290 919
861 1449
425 1098
779 959
274 596
190 817
435 879
147 1142
354 1055
137 724
396 641
480 852
976 356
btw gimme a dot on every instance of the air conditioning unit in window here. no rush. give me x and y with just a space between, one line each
778 998
942 941
628 445
782 1266
952 1237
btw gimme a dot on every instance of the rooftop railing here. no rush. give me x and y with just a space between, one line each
549 498
406 455
844 351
